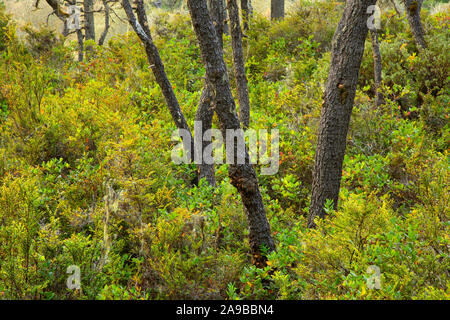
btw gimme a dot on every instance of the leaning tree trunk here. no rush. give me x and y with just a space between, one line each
239 66
346 55
379 98
205 110
242 176
413 8
89 22
276 9
141 28
107 10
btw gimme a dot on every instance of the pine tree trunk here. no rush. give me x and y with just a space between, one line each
205 109
413 8
141 28
89 22
379 98
276 9
346 55
106 8
242 176
239 66
246 13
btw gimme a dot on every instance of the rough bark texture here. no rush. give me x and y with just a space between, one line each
205 109
276 9
379 98
346 54
107 23
142 30
413 8
239 66
59 12
242 176
89 22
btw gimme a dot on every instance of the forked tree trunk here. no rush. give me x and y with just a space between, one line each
239 66
276 9
346 54
413 8
141 28
242 176
379 98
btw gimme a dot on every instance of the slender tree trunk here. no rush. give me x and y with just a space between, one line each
89 22
242 176
80 39
205 109
413 8
276 9
141 28
246 13
379 98
107 23
239 66
346 54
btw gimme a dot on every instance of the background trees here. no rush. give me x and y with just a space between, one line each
87 179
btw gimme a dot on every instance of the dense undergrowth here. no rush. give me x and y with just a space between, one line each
86 177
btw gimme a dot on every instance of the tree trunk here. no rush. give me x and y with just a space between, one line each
276 9
346 55
379 99
205 109
242 176
141 28
413 8
107 23
89 22
246 13
239 66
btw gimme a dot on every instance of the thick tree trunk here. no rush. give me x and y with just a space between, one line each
107 23
346 54
242 176
413 8
239 66
379 98
141 28
276 9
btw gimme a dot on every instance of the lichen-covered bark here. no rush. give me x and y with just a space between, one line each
242 176
346 54
239 66
413 8
142 30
